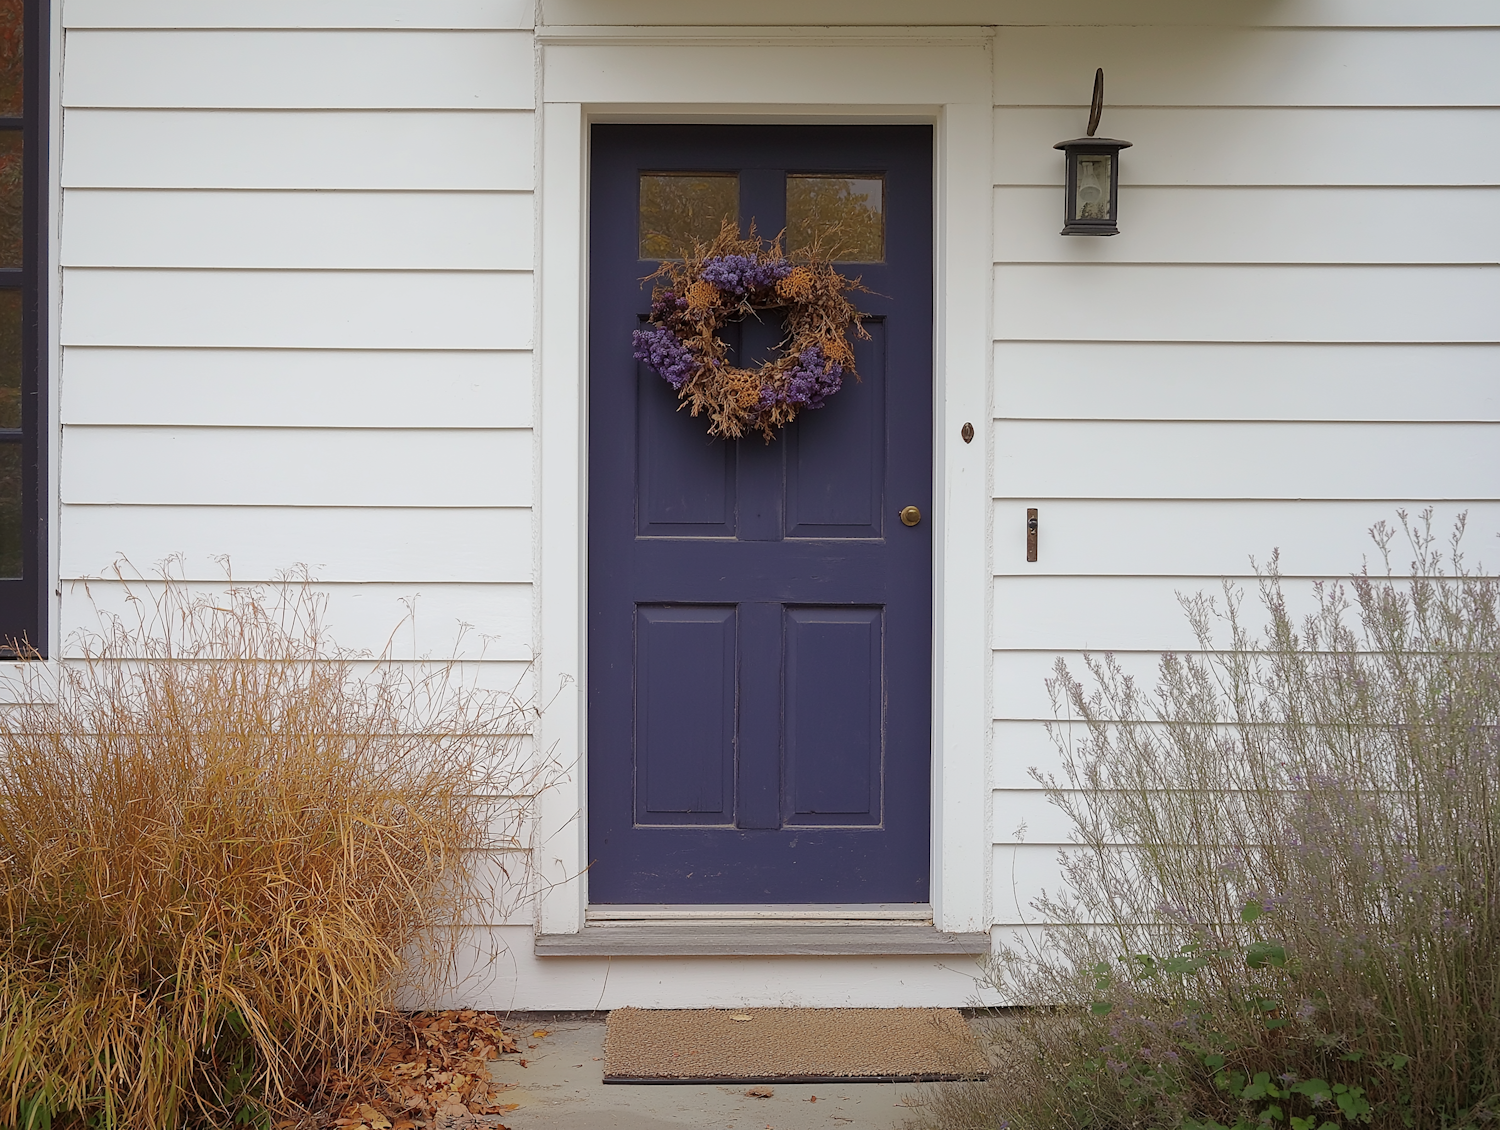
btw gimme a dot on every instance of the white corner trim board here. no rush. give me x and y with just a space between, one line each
937 75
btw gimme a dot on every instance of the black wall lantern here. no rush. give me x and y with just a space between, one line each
1092 205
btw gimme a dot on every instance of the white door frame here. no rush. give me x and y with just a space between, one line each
864 75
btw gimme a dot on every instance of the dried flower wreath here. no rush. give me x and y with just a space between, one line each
734 278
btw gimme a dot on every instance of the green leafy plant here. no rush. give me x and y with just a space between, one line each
226 844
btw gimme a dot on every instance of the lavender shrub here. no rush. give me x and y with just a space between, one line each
1289 858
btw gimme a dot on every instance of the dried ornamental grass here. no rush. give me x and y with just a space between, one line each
225 848
733 278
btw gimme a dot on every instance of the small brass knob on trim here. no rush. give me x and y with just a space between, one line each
910 515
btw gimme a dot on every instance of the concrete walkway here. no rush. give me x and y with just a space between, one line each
561 1088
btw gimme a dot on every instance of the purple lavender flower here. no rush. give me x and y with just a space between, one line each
809 383
741 274
665 303
660 349
813 379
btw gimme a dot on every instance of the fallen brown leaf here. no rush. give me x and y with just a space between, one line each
760 1092
421 1065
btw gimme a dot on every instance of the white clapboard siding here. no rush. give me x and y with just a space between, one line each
1038 820
1202 538
356 388
234 14
1236 381
1051 66
1125 613
1018 748
1261 146
1176 224
298 309
1096 459
313 149
1022 872
1262 303
394 544
296 466
385 230
460 70
1019 692
1290 13
369 617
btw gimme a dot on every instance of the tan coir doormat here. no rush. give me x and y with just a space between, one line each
789 1045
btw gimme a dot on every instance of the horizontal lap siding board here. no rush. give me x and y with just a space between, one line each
1264 224
438 70
479 544
1114 538
1157 380
1294 336
425 231
298 388
290 309
296 466
1038 13
236 14
297 312
1262 145
411 620
447 150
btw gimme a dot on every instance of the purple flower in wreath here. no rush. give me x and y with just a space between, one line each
814 378
665 304
741 274
661 350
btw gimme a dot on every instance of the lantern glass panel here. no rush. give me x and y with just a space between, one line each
1091 199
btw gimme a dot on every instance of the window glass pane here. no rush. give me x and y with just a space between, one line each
1093 187
10 198
681 209
842 217
10 358
11 12
10 509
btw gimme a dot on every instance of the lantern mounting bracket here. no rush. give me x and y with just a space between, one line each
1096 107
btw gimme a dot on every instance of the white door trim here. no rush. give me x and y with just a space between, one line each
937 75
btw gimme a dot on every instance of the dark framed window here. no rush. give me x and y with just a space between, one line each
24 56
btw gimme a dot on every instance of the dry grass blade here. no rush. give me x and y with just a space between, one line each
225 849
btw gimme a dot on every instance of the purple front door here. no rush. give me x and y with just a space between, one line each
760 619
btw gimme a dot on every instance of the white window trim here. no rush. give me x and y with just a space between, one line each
936 75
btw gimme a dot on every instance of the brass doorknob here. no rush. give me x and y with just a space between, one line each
911 515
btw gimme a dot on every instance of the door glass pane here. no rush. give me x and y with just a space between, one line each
10 509
11 14
843 218
681 209
10 358
10 198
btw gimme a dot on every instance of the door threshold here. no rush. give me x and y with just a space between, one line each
760 937
785 912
